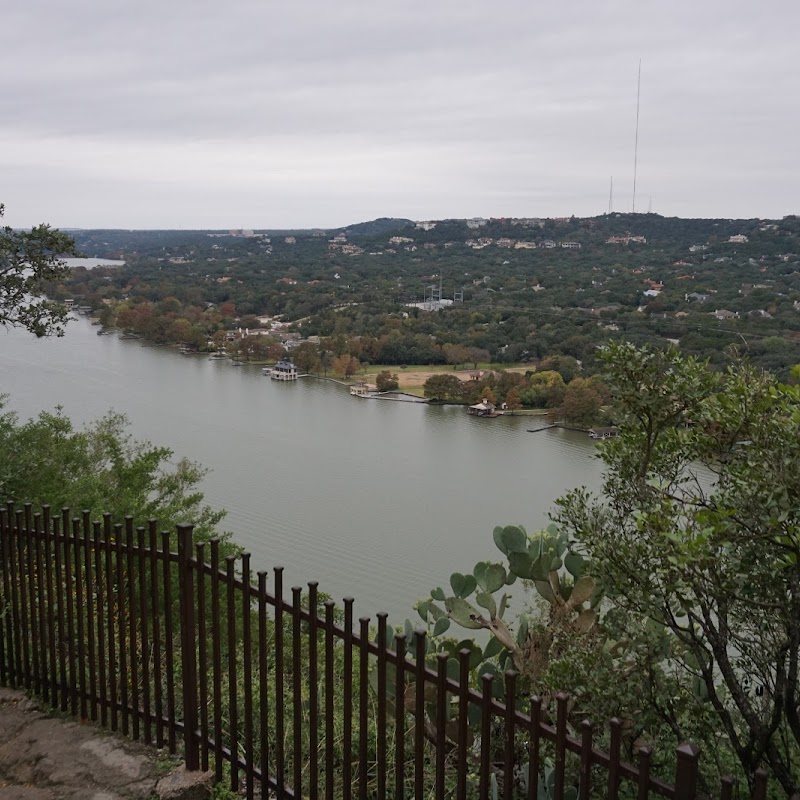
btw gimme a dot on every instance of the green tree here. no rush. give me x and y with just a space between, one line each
456 354
29 262
513 399
306 357
325 361
100 467
443 388
581 403
698 531
341 364
542 387
352 367
386 381
566 366
218 338
477 355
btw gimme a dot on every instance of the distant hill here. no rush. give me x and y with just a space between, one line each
377 226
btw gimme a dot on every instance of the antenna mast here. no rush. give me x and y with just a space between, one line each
611 196
636 140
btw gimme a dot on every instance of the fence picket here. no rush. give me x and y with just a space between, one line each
233 709
347 710
188 647
247 675
169 645
133 634
22 578
112 647
263 683
88 549
280 762
313 696
101 636
216 649
144 640
152 532
80 608
121 628
202 654
41 590
7 666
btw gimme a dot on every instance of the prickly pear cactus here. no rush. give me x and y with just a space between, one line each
479 601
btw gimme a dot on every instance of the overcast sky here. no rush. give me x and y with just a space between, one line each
301 113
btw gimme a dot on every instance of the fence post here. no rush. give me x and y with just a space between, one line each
188 647
4 648
686 771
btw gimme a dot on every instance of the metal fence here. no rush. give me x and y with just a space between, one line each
281 695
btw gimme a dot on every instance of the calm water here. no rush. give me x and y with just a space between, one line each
91 263
377 499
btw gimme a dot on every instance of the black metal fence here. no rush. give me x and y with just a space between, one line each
281 695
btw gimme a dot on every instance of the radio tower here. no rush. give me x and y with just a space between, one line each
611 196
636 140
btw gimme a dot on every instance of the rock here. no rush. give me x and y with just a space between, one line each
183 785
46 758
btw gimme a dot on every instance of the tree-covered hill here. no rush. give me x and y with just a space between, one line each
520 289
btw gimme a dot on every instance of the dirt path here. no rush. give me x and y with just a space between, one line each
49 758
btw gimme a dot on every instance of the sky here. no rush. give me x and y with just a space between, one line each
321 113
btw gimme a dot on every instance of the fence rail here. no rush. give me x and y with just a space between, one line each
282 695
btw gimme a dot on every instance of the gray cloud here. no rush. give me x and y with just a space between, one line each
187 113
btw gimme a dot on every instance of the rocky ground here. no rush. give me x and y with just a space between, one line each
46 757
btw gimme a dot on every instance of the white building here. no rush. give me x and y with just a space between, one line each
284 370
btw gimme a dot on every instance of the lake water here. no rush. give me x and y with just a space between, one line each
91 263
376 499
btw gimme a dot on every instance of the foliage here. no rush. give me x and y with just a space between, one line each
550 307
444 388
582 401
513 399
673 601
28 261
698 532
102 468
386 381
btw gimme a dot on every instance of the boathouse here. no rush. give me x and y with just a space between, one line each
483 409
284 370
362 389
603 433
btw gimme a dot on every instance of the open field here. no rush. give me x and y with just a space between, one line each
412 378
